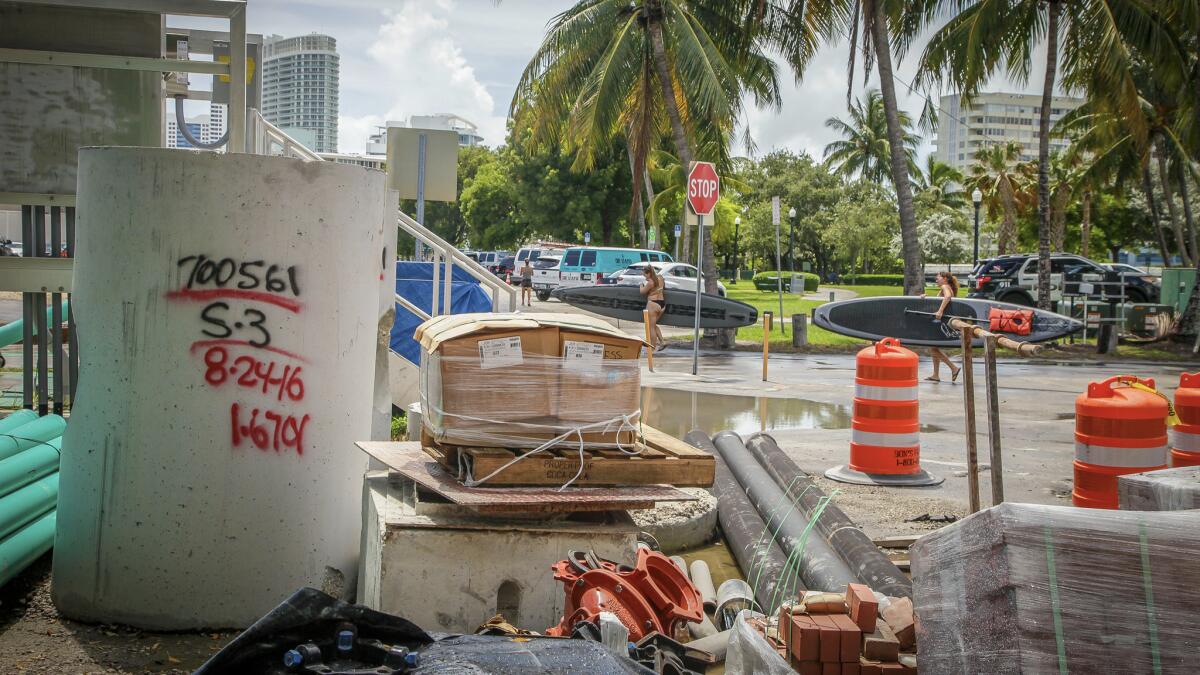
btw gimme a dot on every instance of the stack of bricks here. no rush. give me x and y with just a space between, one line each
848 637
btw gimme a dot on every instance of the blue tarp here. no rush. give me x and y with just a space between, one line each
413 283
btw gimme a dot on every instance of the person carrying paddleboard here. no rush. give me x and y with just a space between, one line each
947 290
652 288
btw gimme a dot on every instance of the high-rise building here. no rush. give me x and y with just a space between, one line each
468 133
300 88
204 128
992 119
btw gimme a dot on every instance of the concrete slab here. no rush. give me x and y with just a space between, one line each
806 405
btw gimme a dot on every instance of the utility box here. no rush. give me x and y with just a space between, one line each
1177 284
1148 319
448 568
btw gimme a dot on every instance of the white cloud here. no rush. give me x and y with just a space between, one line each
415 66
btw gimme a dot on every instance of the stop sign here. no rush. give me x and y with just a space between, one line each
703 188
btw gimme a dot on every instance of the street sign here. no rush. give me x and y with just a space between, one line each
703 188
652 237
678 229
587 237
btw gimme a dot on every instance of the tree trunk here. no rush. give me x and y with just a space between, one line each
663 70
1185 197
1043 295
1058 219
635 207
914 281
658 240
1085 227
1155 216
1160 151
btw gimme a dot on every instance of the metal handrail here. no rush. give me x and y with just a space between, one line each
444 249
266 135
403 302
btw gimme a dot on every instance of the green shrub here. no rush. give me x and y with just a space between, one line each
767 281
399 427
872 280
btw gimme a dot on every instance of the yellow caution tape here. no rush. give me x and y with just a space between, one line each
1172 416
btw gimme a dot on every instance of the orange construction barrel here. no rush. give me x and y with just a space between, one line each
885 441
1119 429
1185 436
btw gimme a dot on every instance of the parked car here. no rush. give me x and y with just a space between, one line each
590 265
505 267
679 276
545 276
1013 278
491 259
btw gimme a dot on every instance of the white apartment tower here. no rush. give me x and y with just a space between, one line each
300 88
992 119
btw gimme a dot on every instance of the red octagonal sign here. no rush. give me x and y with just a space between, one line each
703 188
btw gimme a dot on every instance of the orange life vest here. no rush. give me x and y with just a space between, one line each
1016 321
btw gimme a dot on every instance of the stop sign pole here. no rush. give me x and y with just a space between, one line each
703 190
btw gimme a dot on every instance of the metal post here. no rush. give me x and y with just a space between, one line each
792 246
699 286
27 314
447 288
969 410
435 300
39 315
976 254
677 231
56 317
237 81
421 140
649 340
993 403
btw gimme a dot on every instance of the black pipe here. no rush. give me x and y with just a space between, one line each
853 546
820 568
27 311
761 560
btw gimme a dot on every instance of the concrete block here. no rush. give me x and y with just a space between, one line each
449 569
1175 489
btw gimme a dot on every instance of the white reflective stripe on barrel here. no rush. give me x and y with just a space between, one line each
1184 440
901 440
1103 455
874 393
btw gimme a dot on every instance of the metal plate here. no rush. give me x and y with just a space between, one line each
410 461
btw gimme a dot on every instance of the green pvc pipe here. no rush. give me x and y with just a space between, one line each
26 545
29 465
12 333
37 432
28 504
17 419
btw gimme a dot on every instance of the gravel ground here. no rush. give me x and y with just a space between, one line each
34 638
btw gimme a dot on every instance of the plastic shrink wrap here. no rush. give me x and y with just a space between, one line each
1023 588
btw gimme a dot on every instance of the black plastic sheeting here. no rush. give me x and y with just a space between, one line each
312 616
820 567
760 559
853 546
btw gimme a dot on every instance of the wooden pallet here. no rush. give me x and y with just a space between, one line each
663 460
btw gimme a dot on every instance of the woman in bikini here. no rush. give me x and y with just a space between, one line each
947 290
655 303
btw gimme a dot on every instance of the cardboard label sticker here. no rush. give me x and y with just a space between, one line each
587 356
500 352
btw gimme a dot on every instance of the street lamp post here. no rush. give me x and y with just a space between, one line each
977 199
792 241
737 229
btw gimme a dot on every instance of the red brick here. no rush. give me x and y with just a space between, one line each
851 645
831 669
850 669
864 608
899 617
881 645
805 639
831 638
807 667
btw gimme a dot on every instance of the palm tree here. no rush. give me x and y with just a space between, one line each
644 69
863 151
940 185
999 175
986 36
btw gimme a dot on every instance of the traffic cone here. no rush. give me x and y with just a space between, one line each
885 442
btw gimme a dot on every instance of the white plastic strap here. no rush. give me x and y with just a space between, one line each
1184 441
1135 458
876 393
886 440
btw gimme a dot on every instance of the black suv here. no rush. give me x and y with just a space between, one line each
1013 278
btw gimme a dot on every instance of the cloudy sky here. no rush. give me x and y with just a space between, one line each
406 57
